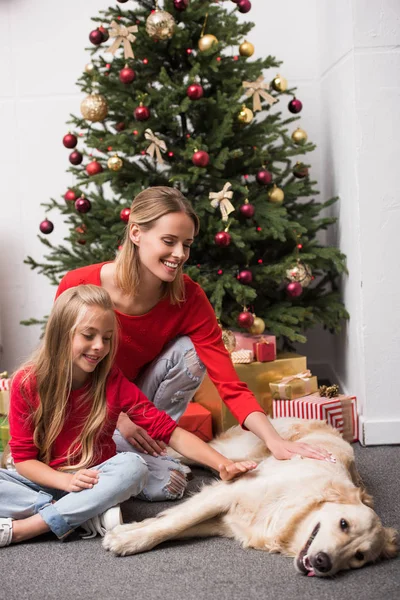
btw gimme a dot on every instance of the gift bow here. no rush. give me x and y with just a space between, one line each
155 146
222 200
122 34
304 376
256 89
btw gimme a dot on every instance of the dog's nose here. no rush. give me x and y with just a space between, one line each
322 562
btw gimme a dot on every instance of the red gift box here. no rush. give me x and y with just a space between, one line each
340 412
197 420
264 350
246 341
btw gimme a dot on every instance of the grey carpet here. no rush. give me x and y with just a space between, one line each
211 569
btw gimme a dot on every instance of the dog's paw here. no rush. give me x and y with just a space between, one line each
125 539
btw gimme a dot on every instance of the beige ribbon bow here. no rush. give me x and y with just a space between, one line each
122 34
155 146
304 376
222 200
256 89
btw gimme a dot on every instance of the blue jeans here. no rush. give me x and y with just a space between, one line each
170 382
120 477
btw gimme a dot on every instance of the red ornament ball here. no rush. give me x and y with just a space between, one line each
300 171
75 158
70 196
46 226
141 113
245 277
195 91
94 168
170 154
295 106
83 205
181 5
244 6
223 239
127 75
245 319
105 35
201 158
120 126
70 140
294 289
264 177
122 1
124 214
247 211
96 37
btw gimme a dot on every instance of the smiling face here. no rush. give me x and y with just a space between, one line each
91 342
165 247
343 536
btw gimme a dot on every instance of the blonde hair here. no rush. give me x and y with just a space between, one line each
51 365
147 207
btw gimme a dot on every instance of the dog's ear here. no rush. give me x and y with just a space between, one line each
340 494
366 498
390 543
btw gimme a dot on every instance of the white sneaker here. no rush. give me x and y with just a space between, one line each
5 532
102 523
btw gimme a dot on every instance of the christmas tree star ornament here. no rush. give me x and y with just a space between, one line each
256 89
246 49
94 108
246 115
299 136
279 84
222 200
160 25
156 147
123 35
115 163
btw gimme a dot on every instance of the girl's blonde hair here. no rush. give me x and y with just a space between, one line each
147 207
51 365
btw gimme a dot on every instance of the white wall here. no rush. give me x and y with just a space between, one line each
360 129
42 44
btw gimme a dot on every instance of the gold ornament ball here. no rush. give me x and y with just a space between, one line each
89 68
246 49
300 273
276 195
258 326
229 340
207 41
279 84
160 25
245 115
299 136
94 108
114 163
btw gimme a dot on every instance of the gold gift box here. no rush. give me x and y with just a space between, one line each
294 389
257 376
4 433
4 402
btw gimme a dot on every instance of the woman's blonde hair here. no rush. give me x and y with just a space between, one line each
51 365
147 207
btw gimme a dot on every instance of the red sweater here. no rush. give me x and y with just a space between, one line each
143 337
121 396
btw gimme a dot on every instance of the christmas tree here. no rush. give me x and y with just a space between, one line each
171 97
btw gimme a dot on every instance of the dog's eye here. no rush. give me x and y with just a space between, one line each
359 556
344 525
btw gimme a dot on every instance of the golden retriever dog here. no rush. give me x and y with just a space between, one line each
315 511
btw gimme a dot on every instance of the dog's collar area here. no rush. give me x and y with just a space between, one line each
303 562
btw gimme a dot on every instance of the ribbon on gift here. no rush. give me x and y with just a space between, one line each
155 146
123 35
4 385
242 356
222 200
304 376
256 89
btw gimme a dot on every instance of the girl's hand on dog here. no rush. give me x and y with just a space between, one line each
234 469
284 450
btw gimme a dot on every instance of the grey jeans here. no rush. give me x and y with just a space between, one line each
170 382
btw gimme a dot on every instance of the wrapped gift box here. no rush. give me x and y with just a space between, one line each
4 403
340 412
264 351
4 433
257 376
197 420
246 341
294 386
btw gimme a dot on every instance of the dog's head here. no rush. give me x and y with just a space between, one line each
345 533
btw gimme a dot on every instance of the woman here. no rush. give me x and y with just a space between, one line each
169 332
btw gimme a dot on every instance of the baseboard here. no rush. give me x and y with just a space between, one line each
379 432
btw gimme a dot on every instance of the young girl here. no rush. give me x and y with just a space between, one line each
64 407
169 332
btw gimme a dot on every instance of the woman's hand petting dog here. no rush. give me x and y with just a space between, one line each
234 469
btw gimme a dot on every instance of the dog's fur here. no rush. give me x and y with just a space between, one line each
316 511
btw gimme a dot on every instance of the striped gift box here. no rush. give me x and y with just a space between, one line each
4 384
340 412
